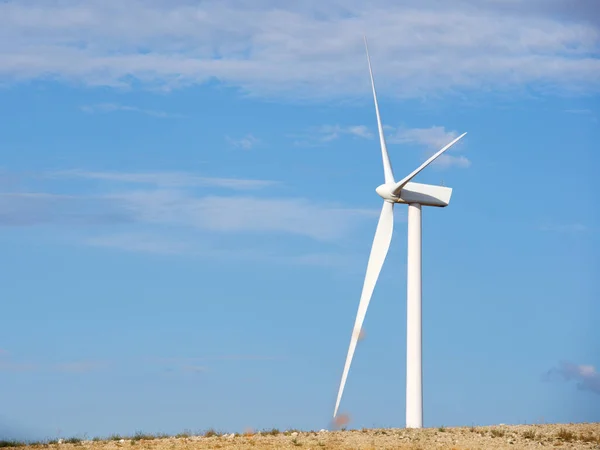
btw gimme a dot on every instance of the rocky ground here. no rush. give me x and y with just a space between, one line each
566 436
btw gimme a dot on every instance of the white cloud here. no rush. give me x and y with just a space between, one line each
586 376
72 367
80 366
198 246
241 213
166 179
579 111
305 50
329 260
446 161
167 213
205 364
565 227
332 132
433 139
319 136
245 143
167 201
20 209
113 107
9 366
181 223
140 243
195 369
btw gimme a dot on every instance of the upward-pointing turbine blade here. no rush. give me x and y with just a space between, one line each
381 244
387 166
400 184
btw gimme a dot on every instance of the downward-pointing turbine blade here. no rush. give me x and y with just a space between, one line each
387 166
403 182
381 244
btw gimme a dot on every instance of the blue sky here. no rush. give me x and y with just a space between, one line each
187 203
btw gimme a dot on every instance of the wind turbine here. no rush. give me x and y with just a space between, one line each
415 195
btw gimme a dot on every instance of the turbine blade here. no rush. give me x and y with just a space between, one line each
387 166
402 183
381 244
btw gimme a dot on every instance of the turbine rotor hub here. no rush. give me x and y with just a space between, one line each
385 191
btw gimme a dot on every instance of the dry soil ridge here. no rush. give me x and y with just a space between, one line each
567 436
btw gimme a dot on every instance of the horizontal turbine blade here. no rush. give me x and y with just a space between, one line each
381 245
387 165
400 184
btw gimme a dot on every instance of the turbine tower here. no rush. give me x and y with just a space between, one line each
415 195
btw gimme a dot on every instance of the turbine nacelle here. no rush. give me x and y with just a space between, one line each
423 194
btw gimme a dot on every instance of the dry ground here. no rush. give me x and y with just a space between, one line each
571 436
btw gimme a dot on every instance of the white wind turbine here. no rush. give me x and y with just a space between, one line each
415 195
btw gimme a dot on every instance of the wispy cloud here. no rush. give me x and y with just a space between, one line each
332 132
142 243
168 213
200 247
245 143
80 366
579 111
433 139
191 364
18 209
242 213
166 179
200 365
565 228
307 50
113 107
195 369
331 259
9 365
586 376
248 358
182 214
222 214
319 136
13 366
233 358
